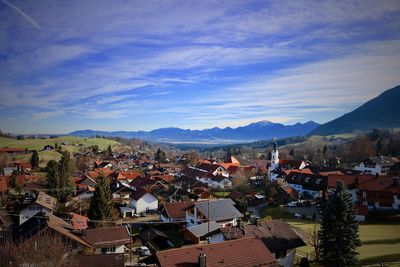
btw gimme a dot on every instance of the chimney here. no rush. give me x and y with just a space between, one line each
202 260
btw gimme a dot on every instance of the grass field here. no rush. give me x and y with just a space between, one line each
379 241
72 141
73 144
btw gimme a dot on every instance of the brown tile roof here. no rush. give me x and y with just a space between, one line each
101 260
241 252
291 164
138 193
64 228
176 210
277 235
107 236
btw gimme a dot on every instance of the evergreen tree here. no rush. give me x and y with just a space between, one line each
109 152
13 179
59 174
160 156
101 202
35 159
339 230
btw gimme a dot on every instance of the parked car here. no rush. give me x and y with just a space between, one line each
292 204
143 251
297 215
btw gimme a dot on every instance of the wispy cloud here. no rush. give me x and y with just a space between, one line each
23 14
194 64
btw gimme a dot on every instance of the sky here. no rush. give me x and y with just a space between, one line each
142 65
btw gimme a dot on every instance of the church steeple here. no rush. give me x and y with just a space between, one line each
275 155
275 145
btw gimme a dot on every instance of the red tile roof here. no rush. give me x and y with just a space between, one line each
241 252
79 222
128 175
350 181
382 184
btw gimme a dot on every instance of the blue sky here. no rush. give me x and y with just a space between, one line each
141 65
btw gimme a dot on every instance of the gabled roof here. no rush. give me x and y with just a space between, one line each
204 229
209 167
142 182
308 181
385 184
192 172
220 209
46 201
243 252
107 236
138 193
176 210
128 175
41 221
276 234
351 181
290 164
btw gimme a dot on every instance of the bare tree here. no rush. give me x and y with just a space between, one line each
313 239
45 249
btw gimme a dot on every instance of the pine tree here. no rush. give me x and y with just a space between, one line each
101 202
35 159
59 175
109 152
339 230
160 156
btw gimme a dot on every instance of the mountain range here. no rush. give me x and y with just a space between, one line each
382 111
255 131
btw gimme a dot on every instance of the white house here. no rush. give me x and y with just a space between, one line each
43 202
222 211
142 201
376 165
218 181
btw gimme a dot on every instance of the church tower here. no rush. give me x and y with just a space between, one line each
275 156
274 162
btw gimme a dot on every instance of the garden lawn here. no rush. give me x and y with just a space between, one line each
379 241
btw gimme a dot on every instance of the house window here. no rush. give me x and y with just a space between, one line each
108 250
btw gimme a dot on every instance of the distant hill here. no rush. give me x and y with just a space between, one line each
255 131
380 112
